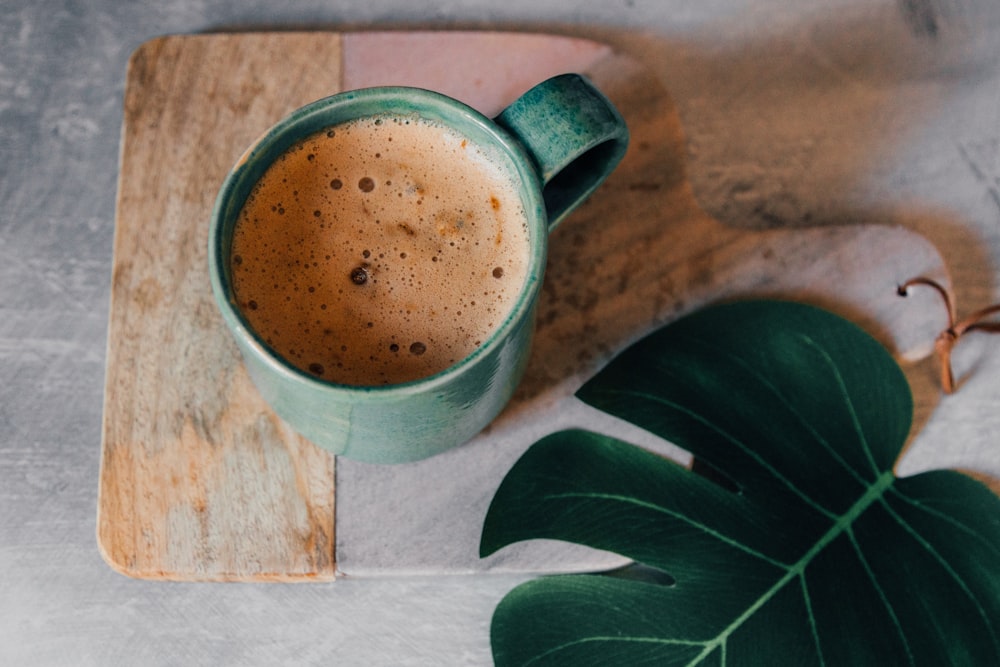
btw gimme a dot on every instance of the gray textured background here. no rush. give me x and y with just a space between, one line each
796 112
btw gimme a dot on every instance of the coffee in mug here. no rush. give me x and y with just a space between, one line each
379 251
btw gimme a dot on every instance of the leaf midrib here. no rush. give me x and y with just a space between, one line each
794 571
843 522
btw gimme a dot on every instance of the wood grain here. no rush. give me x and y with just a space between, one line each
199 480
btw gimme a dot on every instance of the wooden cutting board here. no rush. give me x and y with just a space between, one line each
200 481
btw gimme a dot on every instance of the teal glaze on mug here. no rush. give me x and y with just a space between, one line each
560 140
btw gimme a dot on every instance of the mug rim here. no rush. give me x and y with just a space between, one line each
406 100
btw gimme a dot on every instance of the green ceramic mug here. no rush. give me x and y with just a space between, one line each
556 144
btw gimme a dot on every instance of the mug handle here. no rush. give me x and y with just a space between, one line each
575 136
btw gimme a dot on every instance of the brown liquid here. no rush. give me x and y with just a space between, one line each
379 251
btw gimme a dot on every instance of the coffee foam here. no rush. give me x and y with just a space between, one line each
380 251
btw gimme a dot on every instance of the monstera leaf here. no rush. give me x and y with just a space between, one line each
801 548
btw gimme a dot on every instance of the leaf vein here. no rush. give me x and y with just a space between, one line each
749 451
948 518
784 402
814 631
845 395
674 515
662 641
873 580
949 570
